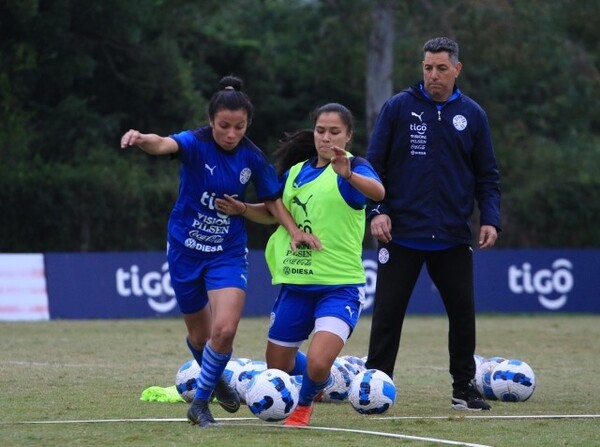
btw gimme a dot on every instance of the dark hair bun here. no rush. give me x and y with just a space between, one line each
231 82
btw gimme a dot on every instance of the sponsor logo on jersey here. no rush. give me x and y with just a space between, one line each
297 271
418 115
418 136
195 245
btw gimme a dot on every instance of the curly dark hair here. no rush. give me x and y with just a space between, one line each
293 148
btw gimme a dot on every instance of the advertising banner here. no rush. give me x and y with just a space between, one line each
137 284
109 285
540 280
23 294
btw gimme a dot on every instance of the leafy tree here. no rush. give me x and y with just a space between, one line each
75 75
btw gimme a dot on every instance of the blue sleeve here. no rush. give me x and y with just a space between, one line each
282 181
353 197
487 176
379 147
265 179
184 139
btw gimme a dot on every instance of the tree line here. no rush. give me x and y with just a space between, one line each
74 75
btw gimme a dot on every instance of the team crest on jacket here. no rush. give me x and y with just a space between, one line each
245 175
383 256
460 122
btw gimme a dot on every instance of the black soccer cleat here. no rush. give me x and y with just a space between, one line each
227 397
468 398
199 414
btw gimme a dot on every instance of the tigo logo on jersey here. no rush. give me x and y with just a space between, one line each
418 138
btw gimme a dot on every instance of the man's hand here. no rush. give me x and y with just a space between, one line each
487 236
381 228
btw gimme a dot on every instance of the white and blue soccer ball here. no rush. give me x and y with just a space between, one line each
245 375
483 377
271 395
350 367
233 369
337 389
479 359
372 392
497 359
186 380
357 362
513 380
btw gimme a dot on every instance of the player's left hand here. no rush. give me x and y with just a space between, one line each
340 162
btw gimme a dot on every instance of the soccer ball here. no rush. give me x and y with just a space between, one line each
479 359
497 359
271 395
233 369
372 392
186 380
513 381
353 364
349 367
357 362
483 377
248 371
337 389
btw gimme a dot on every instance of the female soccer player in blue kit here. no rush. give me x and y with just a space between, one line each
206 248
325 190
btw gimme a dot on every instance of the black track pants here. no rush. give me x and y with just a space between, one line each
451 271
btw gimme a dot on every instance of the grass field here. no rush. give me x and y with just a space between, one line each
76 383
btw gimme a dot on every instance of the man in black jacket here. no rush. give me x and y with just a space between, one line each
433 150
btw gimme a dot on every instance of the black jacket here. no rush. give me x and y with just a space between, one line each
435 161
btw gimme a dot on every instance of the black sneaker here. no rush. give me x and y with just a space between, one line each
468 398
199 414
227 397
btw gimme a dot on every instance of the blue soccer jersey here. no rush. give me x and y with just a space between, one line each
208 172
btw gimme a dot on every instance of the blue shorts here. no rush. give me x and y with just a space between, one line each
193 276
297 307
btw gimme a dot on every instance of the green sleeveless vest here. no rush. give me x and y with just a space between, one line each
318 207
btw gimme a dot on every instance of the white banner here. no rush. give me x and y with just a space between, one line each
23 293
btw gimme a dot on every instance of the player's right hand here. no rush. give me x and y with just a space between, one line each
130 138
300 237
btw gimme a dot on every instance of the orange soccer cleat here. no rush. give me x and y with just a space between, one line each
300 417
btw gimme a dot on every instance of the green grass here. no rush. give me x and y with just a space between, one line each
96 370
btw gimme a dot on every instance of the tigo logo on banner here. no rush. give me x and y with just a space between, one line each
547 283
154 285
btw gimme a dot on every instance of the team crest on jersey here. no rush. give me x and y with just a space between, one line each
245 175
460 122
